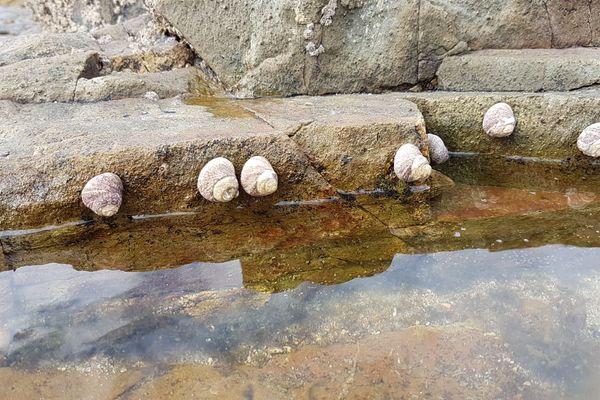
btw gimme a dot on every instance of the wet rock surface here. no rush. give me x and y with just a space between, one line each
548 124
159 147
366 296
474 323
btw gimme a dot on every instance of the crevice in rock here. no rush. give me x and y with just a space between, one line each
258 116
168 28
590 17
418 58
594 85
294 130
545 3
92 69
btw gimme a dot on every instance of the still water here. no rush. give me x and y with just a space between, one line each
486 293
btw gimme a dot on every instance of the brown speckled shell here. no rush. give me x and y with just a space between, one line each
410 165
499 121
438 153
254 168
103 194
589 141
211 174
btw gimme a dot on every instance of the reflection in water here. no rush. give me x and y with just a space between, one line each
531 319
365 299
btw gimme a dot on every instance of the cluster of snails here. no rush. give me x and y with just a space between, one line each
217 182
499 121
410 165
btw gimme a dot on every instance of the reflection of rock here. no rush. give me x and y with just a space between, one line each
517 316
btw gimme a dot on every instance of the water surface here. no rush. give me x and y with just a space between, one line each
485 293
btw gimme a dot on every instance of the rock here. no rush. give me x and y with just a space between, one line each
159 147
25 47
121 85
351 139
548 127
136 45
54 79
15 21
453 26
320 46
285 48
74 15
529 70
156 58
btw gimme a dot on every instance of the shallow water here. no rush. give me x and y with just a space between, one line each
484 293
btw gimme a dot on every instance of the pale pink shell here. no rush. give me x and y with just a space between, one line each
103 194
499 121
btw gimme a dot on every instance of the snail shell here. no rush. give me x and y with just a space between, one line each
103 194
589 141
410 165
499 121
217 181
438 153
258 177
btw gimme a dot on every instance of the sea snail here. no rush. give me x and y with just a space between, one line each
589 141
217 181
258 177
410 165
437 149
103 194
499 121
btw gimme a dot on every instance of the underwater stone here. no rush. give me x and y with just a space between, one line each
410 165
438 153
217 181
499 121
258 177
589 141
103 194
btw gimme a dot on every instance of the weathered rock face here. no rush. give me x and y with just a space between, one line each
291 47
120 85
25 47
548 123
159 147
351 140
529 70
73 15
54 79
320 46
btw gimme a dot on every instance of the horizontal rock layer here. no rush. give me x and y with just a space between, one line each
528 70
548 124
50 150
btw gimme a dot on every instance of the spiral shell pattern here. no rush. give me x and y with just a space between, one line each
258 177
410 165
217 181
103 194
